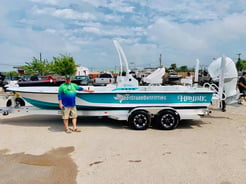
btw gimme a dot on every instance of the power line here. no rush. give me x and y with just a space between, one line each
7 64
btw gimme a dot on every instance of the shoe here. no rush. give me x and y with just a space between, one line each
241 103
68 131
76 130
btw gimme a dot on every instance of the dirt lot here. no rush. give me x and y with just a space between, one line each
35 149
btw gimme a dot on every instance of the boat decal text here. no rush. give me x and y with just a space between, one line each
137 98
161 98
190 98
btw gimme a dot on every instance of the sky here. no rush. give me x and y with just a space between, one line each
181 31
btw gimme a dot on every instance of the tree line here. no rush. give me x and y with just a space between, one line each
60 65
64 64
241 65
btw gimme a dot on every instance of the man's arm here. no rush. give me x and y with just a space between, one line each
60 98
60 104
79 88
87 90
241 84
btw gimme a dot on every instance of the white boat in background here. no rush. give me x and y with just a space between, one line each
224 74
167 105
155 77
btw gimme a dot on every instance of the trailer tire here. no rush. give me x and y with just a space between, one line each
5 113
139 120
19 102
167 119
9 103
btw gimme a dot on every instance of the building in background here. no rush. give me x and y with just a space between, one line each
81 70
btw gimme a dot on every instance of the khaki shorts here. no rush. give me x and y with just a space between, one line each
69 112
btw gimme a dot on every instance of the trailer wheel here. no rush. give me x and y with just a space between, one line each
5 113
139 120
19 102
9 103
167 119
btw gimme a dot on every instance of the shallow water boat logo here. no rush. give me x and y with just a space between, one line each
119 97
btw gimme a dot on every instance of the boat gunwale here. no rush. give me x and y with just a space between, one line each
123 92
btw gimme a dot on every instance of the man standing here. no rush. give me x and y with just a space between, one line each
67 103
242 86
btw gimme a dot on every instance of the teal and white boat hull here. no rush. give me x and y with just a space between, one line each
110 99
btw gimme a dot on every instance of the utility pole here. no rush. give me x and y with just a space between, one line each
40 56
238 63
239 54
160 60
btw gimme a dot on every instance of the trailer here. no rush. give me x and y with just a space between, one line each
138 118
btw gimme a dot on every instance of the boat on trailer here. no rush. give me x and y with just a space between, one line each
141 106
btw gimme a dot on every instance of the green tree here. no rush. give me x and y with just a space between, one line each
244 64
11 74
37 67
241 65
183 69
173 66
63 65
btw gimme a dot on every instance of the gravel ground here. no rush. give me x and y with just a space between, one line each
35 149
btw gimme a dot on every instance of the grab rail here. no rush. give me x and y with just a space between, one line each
215 88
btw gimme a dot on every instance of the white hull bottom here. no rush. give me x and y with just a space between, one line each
185 114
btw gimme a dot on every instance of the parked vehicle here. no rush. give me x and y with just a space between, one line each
83 79
104 79
47 78
35 80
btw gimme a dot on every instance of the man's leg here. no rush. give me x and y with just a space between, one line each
75 129
65 117
244 95
65 121
74 121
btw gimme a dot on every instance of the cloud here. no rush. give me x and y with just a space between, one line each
174 35
48 2
64 13
179 30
